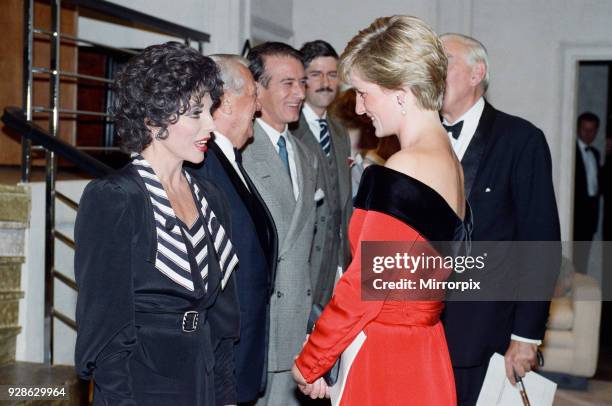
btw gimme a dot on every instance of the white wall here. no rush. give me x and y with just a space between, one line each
338 21
271 20
223 20
533 47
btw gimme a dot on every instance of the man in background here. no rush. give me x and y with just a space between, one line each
330 142
586 189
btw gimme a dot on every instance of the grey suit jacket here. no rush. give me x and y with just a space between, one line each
291 301
331 247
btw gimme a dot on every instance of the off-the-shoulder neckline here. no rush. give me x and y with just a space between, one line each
427 187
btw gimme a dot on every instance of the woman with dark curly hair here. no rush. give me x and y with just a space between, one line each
157 310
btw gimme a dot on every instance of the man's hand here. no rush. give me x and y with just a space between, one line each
521 357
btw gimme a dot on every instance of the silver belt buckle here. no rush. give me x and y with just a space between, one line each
190 324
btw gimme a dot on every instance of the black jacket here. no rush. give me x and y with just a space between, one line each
586 209
508 183
125 304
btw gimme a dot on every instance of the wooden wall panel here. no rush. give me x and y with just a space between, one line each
11 61
11 18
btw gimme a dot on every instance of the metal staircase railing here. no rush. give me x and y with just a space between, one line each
34 137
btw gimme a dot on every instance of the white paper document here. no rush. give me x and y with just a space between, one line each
498 391
346 360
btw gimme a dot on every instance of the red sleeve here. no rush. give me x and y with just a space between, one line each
346 314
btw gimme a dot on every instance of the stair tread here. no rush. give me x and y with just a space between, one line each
31 373
36 374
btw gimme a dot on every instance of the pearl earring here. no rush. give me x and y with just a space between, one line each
401 103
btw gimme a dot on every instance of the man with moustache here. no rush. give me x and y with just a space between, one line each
329 141
285 174
508 183
252 225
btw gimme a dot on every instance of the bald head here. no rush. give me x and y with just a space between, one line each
468 74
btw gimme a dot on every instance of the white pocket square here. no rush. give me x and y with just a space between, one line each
319 195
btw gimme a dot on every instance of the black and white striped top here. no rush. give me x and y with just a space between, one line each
172 258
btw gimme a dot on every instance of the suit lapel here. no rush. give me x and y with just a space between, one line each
475 151
269 168
231 173
341 151
304 134
299 217
301 130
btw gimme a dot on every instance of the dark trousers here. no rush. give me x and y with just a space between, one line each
586 218
468 382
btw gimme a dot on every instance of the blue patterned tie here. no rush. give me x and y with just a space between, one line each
282 151
324 138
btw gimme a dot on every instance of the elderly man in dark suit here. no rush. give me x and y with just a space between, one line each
586 189
508 183
329 141
252 224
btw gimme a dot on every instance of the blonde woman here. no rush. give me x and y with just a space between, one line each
398 68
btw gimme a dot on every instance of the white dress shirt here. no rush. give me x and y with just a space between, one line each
225 145
470 122
312 120
460 145
590 167
274 136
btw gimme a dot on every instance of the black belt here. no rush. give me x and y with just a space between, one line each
187 322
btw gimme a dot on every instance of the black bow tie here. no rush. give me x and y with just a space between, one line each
589 148
455 130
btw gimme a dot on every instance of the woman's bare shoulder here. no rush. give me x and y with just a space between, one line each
436 168
423 165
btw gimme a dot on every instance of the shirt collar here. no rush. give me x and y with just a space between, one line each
472 116
225 145
310 115
271 132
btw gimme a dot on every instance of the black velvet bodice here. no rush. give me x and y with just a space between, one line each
413 202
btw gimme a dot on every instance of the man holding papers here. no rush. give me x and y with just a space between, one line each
508 183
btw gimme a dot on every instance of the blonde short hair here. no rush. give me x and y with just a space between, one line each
396 52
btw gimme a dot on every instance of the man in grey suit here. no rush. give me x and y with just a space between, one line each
285 174
329 141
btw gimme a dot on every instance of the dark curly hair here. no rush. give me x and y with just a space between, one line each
156 87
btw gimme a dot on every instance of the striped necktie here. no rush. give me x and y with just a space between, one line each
324 139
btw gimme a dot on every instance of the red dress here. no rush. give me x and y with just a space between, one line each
404 359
